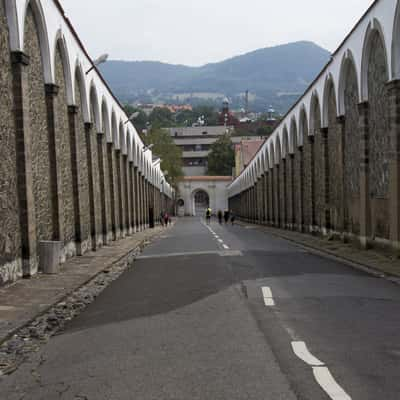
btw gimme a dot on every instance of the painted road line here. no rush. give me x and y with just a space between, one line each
328 383
220 240
267 294
225 247
301 351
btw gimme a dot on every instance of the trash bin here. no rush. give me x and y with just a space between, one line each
50 256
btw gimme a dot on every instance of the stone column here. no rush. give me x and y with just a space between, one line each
365 208
301 190
137 199
263 199
111 179
311 140
284 194
23 137
342 142
394 163
93 228
51 91
100 153
278 215
132 195
120 192
127 210
292 193
72 121
326 188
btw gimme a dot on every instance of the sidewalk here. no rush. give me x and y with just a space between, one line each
376 262
26 299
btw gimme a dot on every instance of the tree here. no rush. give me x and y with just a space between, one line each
170 154
161 117
221 159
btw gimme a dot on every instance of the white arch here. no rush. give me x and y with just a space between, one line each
328 87
79 79
315 107
105 115
95 107
60 41
347 63
374 28
44 41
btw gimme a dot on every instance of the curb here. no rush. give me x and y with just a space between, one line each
130 256
377 273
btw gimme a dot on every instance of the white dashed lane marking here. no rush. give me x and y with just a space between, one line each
321 373
267 294
301 351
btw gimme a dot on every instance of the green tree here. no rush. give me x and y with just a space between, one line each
221 159
161 117
170 154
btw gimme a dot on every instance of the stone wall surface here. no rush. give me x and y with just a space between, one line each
39 131
352 154
334 164
83 169
10 240
63 144
378 138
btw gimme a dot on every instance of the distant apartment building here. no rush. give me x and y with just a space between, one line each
195 143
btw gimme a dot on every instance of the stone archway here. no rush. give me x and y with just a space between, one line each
201 201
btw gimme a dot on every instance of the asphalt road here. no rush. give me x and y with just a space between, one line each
225 312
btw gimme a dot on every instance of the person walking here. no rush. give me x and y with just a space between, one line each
220 217
226 216
208 215
166 219
232 217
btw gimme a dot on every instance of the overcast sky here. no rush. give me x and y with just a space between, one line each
195 32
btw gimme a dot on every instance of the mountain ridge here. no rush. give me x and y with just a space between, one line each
266 73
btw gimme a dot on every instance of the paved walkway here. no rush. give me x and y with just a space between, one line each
375 261
26 299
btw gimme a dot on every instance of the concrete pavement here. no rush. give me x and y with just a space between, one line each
225 312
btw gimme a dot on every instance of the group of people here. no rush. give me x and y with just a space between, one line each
226 216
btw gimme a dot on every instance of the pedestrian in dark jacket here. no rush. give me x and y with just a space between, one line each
219 216
226 216
232 218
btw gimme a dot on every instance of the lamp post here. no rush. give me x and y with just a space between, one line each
100 60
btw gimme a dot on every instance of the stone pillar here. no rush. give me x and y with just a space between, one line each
263 205
292 193
55 173
365 208
301 190
132 195
127 211
137 199
326 188
111 179
342 143
120 191
100 153
72 121
284 194
23 137
311 140
394 163
93 228
278 216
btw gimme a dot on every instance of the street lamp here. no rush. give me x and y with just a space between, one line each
145 148
132 117
100 60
